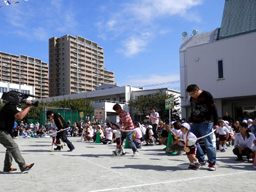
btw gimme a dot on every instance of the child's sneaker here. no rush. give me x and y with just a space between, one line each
123 153
27 168
197 166
10 170
114 153
211 167
191 166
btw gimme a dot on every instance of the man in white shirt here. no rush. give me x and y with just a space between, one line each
154 119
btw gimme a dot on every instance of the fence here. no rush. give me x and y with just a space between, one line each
68 114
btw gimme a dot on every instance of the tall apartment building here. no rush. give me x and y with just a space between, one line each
76 65
24 70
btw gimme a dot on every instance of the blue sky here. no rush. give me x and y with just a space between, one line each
140 38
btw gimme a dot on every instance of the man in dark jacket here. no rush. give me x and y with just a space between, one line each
204 117
61 126
8 114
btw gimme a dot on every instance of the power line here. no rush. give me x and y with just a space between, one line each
152 85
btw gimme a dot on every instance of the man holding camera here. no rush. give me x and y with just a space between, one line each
8 114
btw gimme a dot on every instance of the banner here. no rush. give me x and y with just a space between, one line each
98 113
169 103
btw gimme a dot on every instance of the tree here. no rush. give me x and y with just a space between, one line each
140 106
74 104
144 104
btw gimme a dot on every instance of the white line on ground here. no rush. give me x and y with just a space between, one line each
172 181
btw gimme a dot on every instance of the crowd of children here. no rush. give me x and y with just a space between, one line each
240 136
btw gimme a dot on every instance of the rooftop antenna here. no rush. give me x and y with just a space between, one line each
194 32
184 34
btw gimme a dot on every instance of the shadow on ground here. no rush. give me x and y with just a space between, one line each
153 167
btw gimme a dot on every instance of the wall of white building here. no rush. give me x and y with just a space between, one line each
199 65
5 87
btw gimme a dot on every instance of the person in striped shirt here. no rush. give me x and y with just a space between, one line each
128 127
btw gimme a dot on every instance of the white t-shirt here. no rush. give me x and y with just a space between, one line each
150 132
109 133
231 131
143 129
191 138
222 130
117 133
241 142
154 121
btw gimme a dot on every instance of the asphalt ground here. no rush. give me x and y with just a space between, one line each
92 168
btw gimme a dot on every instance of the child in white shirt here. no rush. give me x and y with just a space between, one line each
150 135
231 136
53 134
190 146
119 142
223 135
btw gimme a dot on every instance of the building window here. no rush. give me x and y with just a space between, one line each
220 69
3 89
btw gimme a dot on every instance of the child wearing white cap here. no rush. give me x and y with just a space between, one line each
223 132
119 142
190 146
150 135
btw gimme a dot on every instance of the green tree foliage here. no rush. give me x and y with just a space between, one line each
144 104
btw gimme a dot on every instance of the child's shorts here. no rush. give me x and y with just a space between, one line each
222 137
192 150
119 141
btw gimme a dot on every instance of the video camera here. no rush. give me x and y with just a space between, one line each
17 98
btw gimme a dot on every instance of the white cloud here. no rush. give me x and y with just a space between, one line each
143 15
40 24
135 45
111 24
40 33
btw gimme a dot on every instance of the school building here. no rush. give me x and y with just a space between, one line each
223 62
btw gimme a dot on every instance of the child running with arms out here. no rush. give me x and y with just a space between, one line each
53 134
190 146
119 142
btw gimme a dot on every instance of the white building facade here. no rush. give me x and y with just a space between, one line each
6 87
222 62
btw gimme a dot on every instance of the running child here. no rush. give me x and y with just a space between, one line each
119 142
53 134
190 146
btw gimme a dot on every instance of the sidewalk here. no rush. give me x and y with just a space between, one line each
91 167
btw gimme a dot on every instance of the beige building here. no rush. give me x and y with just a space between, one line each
24 70
76 65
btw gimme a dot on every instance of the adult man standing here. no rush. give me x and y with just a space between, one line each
154 119
8 114
204 117
61 125
126 122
